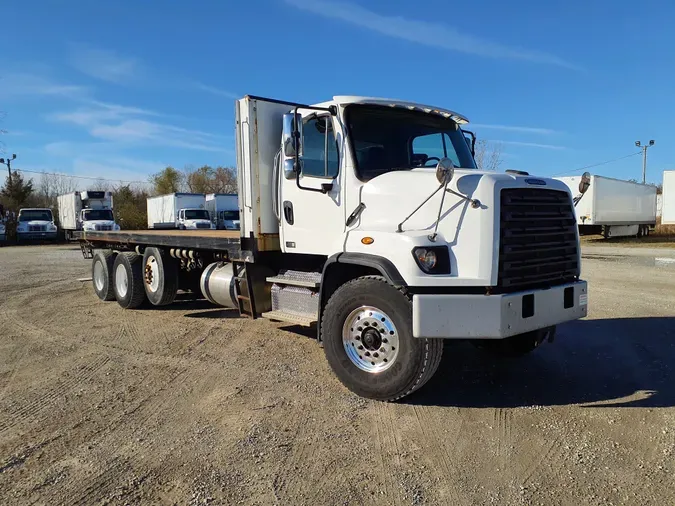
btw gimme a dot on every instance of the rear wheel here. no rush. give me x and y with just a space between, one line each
102 274
160 276
128 280
367 333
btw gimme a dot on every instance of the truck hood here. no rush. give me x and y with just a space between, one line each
35 222
194 223
92 224
386 208
472 233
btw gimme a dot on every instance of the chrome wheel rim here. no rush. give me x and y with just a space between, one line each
121 281
370 339
99 277
152 274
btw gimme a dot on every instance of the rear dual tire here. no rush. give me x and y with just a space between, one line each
128 280
367 334
160 275
101 274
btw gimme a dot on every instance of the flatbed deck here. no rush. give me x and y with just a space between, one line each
216 240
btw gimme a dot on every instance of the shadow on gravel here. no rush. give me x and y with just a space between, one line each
599 363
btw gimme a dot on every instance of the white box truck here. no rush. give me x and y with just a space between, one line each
179 210
668 198
387 242
87 210
224 210
613 207
35 224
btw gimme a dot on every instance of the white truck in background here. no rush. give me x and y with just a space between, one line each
35 224
87 210
183 211
613 207
224 210
367 219
668 198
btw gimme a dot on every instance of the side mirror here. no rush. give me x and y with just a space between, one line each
292 135
585 182
289 168
445 170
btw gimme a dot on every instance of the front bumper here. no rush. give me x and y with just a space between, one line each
35 236
459 316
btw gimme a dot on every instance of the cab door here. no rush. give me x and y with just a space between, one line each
311 210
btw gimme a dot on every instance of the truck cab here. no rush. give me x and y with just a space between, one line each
35 224
194 219
97 219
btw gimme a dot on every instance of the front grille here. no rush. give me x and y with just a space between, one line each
36 228
203 225
103 227
537 239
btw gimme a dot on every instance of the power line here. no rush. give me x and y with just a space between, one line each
598 164
82 177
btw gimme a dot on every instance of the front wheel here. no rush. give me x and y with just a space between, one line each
367 334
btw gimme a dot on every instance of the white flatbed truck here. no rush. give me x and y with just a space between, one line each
368 219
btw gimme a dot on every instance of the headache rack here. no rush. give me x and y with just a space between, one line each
538 243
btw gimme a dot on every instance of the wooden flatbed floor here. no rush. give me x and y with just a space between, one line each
216 240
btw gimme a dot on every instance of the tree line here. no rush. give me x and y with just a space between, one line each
129 200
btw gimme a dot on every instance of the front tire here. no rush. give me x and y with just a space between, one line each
160 275
102 274
128 280
367 334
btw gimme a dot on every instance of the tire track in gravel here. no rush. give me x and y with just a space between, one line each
435 449
289 465
120 434
32 410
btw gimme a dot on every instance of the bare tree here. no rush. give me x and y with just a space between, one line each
488 155
50 186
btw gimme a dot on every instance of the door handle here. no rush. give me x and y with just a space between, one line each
288 212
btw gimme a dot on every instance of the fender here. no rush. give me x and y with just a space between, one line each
380 264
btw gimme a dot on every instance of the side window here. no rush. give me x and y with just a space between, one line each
319 147
434 146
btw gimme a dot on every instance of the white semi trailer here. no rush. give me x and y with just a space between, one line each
367 219
184 211
613 207
87 210
224 210
668 198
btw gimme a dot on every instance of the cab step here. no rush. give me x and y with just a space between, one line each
310 280
282 316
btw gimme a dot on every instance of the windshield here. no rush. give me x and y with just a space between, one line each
386 139
196 214
97 214
230 215
36 215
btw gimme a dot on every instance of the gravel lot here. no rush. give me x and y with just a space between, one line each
193 405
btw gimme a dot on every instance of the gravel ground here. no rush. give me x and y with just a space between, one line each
193 405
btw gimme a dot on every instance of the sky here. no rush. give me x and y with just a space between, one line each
122 89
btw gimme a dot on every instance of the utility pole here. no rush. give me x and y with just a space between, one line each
8 162
644 158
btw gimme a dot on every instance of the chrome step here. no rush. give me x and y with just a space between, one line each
297 278
282 316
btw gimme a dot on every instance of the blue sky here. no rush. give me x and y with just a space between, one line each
121 89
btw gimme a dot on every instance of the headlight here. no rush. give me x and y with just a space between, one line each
52 227
426 258
116 226
433 259
21 227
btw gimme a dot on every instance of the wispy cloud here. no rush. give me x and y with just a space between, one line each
215 91
131 126
530 144
424 32
20 84
513 128
105 65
